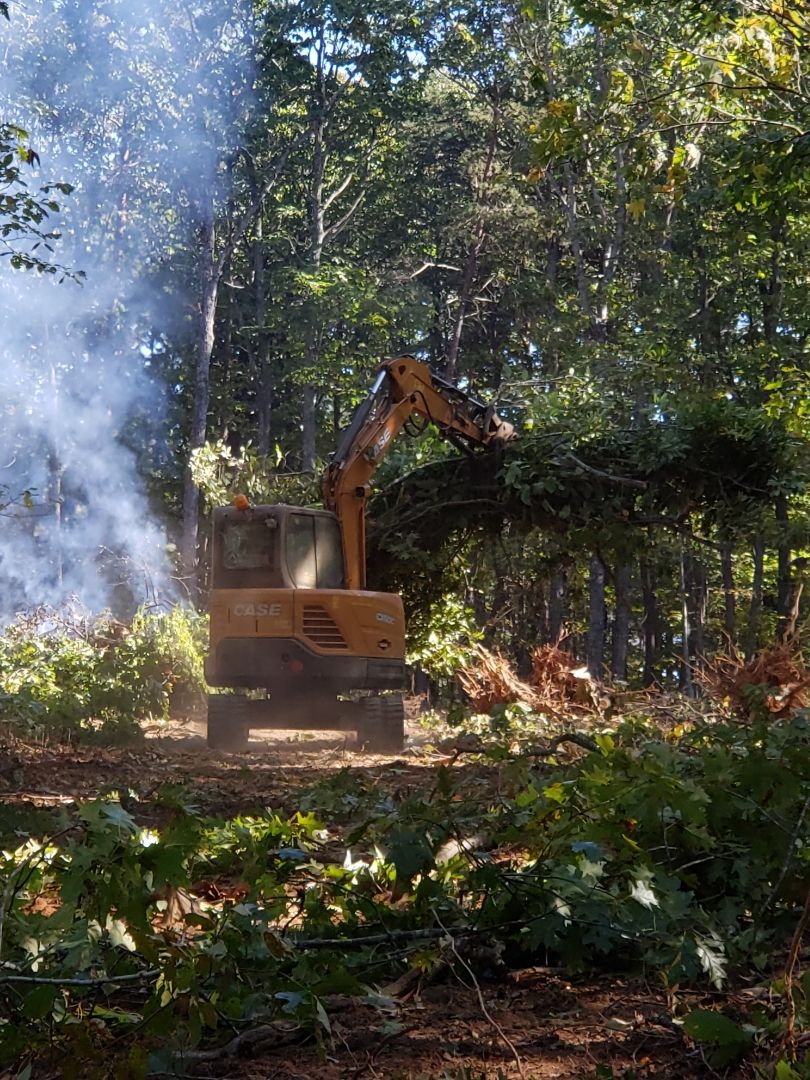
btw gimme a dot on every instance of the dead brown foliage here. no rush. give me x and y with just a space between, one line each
557 678
491 681
776 676
556 681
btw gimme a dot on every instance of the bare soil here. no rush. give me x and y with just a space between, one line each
536 1023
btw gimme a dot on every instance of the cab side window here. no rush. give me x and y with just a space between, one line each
301 562
314 552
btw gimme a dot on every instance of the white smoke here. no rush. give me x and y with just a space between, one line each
136 104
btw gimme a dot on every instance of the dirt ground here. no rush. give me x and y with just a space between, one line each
534 1023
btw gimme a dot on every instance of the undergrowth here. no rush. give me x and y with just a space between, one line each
65 677
684 857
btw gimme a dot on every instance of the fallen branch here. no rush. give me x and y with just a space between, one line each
790 967
373 939
789 856
623 481
567 737
476 746
101 980
249 1043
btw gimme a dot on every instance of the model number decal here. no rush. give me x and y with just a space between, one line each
382 617
257 610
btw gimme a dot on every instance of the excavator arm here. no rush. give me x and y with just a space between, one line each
403 387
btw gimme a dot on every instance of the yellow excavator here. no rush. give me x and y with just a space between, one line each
290 613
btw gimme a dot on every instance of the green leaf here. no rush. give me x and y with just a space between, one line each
409 852
707 1026
39 1002
785 1071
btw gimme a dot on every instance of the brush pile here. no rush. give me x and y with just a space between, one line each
491 681
775 679
556 681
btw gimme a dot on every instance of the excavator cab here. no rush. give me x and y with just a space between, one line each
276 547
284 626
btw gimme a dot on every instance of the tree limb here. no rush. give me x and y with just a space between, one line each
568 736
624 481
338 191
432 266
256 203
101 980
334 230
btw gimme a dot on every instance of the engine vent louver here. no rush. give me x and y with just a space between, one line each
321 628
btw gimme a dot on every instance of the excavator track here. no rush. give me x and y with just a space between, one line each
228 726
381 724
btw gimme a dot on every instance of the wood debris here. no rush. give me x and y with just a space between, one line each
775 678
556 681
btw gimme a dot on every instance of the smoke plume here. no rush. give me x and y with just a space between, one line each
137 105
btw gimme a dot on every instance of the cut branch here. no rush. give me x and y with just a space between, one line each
624 481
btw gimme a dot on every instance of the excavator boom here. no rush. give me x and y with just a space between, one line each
403 387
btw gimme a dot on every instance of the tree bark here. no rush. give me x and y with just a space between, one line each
308 425
473 251
755 610
316 242
621 623
206 314
784 597
686 626
698 598
558 588
55 475
595 644
729 594
264 389
652 622
500 594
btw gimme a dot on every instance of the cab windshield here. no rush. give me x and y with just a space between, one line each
248 545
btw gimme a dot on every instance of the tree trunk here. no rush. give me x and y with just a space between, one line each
686 627
698 598
783 553
55 475
209 281
729 594
558 588
755 610
595 645
500 594
621 623
317 235
652 622
473 252
264 389
308 424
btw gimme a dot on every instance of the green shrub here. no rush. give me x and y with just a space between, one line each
66 678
